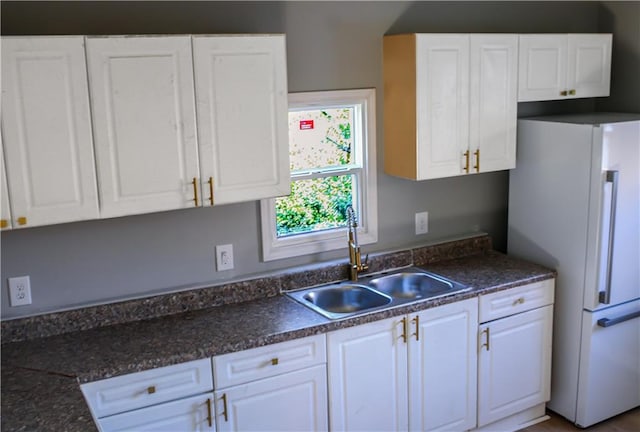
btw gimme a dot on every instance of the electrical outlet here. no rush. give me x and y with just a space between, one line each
224 257
20 291
422 223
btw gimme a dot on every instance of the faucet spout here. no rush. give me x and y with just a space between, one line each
355 258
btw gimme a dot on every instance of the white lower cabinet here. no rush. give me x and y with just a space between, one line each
171 398
514 363
367 374
434 370
279 387
415 372
184 415
442 368
295 401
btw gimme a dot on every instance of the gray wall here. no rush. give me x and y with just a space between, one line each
623 20
335 45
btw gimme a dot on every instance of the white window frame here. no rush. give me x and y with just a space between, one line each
366 198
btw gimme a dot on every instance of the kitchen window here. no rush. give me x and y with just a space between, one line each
332 152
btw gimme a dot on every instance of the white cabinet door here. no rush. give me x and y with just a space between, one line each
194 414
5 210
493 102
144 122
295 401
443 367
442 86
367 375
47 130
564 66
514 366
450 104
241 88
589 64
542 66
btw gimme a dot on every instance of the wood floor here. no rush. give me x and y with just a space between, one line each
625 422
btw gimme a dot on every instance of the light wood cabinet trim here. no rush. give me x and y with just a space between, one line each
400 98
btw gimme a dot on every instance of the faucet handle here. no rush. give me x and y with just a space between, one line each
365 265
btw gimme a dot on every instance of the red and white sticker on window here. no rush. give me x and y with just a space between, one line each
306 124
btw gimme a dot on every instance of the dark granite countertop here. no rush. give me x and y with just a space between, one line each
40 376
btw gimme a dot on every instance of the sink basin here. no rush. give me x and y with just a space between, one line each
375 292
414 285
341 300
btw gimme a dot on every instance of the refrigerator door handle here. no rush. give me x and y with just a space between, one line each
612 177
608 322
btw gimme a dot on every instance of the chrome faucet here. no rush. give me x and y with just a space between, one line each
355 259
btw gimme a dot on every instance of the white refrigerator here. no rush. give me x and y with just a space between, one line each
574 206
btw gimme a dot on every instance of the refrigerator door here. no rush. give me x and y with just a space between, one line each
613 254
609 381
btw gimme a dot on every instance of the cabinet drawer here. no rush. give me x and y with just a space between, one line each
249 365
128 392
515 300
190 414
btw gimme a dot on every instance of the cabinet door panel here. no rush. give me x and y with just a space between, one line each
442 84
5 210
367 375
241 85
295 401
47 131
493 102
443 368
589 64
184 415
514 367
144 121
542 67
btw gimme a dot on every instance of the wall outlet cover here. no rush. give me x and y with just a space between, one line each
224 257
422 223
20 291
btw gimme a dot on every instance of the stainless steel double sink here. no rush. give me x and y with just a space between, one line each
376 292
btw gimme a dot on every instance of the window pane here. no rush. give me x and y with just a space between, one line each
320 138
314 205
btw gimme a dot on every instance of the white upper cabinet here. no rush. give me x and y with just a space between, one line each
5 209
144 122
46 129
442 84
450 104
564 66
589 64
493 102
426 95
242 108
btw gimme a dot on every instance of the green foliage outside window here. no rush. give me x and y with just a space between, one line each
314 205
318 203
